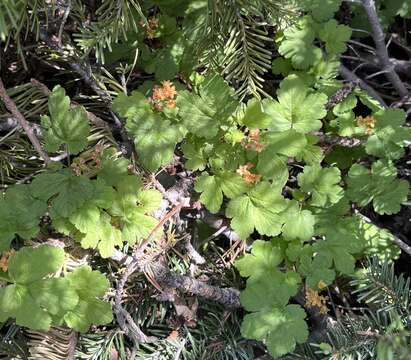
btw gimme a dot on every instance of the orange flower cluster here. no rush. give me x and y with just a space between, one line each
249 177
368 123
252 142
314 299
4 260
164 95
150 27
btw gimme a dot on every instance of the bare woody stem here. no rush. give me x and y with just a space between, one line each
11 106
381 49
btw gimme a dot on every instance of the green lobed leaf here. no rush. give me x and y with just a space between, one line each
20 214
321 10
34 300
155 136
281 328
68 126
90 308
322 184
296 109
298 223
260 208
212 188
297 44
264 259
390 135
378 185
335 37
203 114
66 191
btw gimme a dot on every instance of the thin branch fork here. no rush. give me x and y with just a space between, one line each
381 49
124 319
11 106
349 75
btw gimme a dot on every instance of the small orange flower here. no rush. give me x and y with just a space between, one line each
169 90
252 142
368 123
4 260
171 104
314 299
158 93
164 96
247 175
150 27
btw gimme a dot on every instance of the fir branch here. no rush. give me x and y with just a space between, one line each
379 286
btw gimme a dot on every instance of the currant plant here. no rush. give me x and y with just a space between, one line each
261 163
243 155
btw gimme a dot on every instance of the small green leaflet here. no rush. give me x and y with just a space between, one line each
113 168
212 188
155 139
298 223
289 142
98 233
72 191
90 286
321 10
335 37
32 299
322 184
273 167
203 114
254 116
341 244
272 290
20 214
68 126
260 208
297 44
264 259
196 153
155 136
390 134
297 108
266 296
315 268
280 328
130 207
378 185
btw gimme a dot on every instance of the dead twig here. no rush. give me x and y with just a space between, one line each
124 319
11 106
381 48
349 75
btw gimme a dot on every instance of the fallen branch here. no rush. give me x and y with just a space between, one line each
11 106
381 49
228 297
